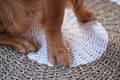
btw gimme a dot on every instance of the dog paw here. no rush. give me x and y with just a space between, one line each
87 15
25 45
20 44
60 57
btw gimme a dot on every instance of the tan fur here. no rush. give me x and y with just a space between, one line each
17 15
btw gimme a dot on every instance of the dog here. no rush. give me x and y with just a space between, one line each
17 15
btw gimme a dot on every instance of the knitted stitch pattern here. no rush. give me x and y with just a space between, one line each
86 42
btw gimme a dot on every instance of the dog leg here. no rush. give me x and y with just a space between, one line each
54 13
83 14
14 23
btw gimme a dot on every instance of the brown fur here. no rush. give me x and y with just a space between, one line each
17 15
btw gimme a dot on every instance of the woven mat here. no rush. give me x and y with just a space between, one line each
85 42
15 66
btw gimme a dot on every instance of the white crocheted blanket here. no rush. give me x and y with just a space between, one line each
86 42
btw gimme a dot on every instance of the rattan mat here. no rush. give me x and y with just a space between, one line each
15 66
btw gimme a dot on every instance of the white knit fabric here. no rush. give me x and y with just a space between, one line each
86 42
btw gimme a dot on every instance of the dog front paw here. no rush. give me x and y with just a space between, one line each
21 44
26 45
60 57
87 15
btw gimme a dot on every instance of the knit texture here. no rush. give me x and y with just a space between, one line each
16 66
86 42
